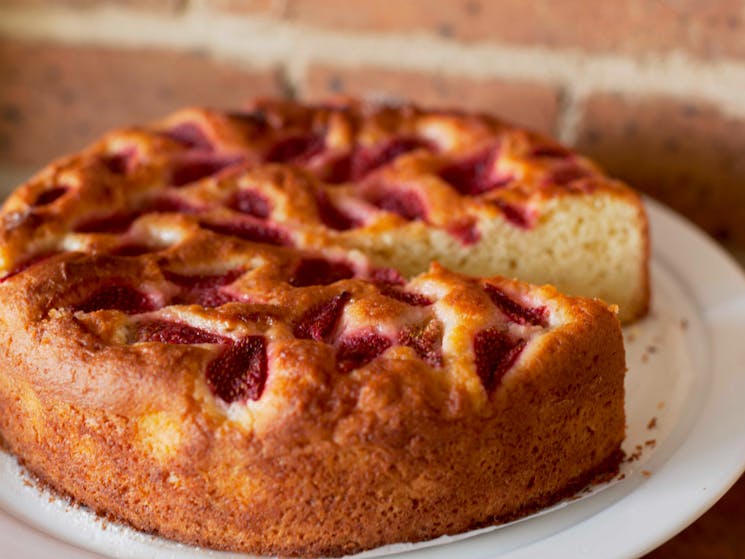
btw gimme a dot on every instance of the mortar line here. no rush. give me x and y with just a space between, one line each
259 42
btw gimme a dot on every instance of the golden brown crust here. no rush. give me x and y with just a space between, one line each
384 448
245 380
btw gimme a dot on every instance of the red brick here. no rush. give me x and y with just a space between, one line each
246 7
685 153
716 535
528 104
56 98
158 6
633 26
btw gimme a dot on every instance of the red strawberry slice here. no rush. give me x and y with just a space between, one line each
112 223
169 204
211 298
296 149
537 316
331 216
408 297
190 135
554 151
362 161
249 230
367 160
202 289
240 373
194 166
122 162
319 271
386 275
358 350
50 195
406 203
565 174
495 353
319 322
203 281
517 215
251 202
117 296
467 232
176 333
475 176
133 249
338 169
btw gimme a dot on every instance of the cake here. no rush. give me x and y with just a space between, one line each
282 331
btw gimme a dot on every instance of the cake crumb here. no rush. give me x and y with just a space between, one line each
661 405
646 473
634 456
652 423
651 443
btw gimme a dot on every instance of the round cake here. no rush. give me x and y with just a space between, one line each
281 331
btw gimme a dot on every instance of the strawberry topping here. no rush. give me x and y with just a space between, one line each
112 223
517 215
204 290
122 162
195 166
495 353
117 296
414 299
366 160
331 216
50 195
190 135
249 230
319 271
296 149
319 322
406 203
358 350
240 373
475 176
250 202
176 333
537 316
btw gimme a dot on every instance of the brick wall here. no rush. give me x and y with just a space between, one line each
655 90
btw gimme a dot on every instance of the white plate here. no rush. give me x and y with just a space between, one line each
686 370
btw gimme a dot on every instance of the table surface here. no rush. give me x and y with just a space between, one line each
718 534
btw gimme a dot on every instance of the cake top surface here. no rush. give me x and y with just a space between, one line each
202 259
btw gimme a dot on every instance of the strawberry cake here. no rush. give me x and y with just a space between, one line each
285 330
